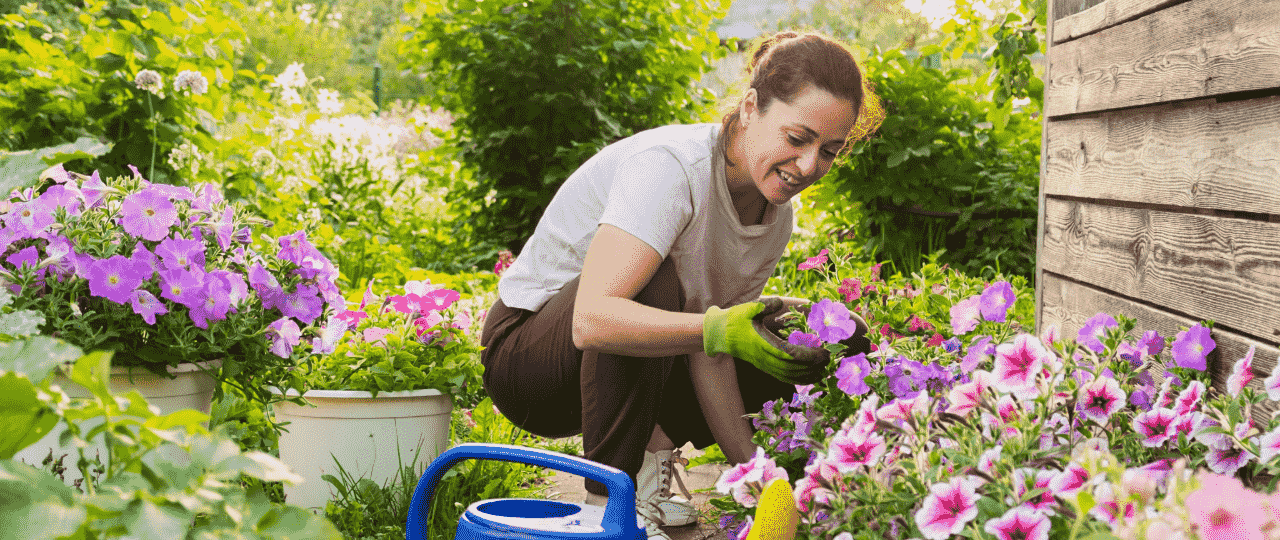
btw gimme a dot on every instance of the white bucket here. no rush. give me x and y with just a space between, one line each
191 389
371 437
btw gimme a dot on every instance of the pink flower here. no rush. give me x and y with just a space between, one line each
1241 373
146 304
1019 524
759 469
284 335
1270 444
965 397
1069 481
375 334
1094 329
987 461
995 301
440 299
148 214
1227 458
1155 426
1051 335
1027 480
1189 398
352 318
965 315
1223 509
1017 364
809 489
1101 398
1272 383
849 451
814 262
903 409
1191 346
948 508
851 289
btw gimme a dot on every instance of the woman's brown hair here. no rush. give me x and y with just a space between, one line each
784 64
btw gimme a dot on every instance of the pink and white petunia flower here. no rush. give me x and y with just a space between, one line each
1069 482
1019 524
864 420
1155 426
1189 399
1017 365
1026 480
1227 458
1109 508
1241 373
903 409
948 508
759 469
810 487
987 461
1165 397
1208 432
1272 383
965 397
1007 408
1101 398
1187 424
1270 444
849 452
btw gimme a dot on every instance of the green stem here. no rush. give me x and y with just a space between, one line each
151 173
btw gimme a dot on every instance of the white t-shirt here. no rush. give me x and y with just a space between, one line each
665 186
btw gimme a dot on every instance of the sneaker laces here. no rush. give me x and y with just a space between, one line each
649 514
666 469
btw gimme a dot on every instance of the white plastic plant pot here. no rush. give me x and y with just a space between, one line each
371 437
192 388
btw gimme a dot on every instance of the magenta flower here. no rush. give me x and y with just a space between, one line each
1155 426
804 339
965 315
966 397
206 196
91 190
849 451
1017 364
995 301
148 214
852 374
1152 342
144 259
851 289
114 278
1188 423
294 247
759 469
212 302
441 299
903 409
233 283
987 461
409 304
948 508
303 304
1191 347
1223 509
1069 482
61 196
1101 398
1094 330
1189 398
831 321
284 335
352 318
1026 480
1241 373
178 252
1227 458
1019 523
146 304
814 262
224 228
181 286
1051 335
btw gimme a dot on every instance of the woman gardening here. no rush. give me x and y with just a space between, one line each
628 315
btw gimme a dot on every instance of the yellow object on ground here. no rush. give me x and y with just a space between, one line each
776 516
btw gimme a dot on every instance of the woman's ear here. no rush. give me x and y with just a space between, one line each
750 109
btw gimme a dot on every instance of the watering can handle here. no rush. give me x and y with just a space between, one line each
619 512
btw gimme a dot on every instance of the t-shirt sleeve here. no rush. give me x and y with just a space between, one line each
650 198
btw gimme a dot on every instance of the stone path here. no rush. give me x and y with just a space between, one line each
569 488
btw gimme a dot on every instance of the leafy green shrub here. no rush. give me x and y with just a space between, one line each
947 170
281 32
71 73
540 86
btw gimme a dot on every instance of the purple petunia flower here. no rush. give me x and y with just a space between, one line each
26 257
178 252
804 339
965 315
207 195
267 287
284 335
212 302
1191 347
1227 458
61 196
980 350
995 301
1094 330
294 247
831 321
852 374
91 191
952 345
224 228
145 260
148 214
901 372
181 286
29 218
303 304
114 278
146 304
1152 342
173 193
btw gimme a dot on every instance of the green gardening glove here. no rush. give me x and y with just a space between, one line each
740 332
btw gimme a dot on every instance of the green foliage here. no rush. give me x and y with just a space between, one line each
163 476
946 171
886 24
281 32
540 86
67 74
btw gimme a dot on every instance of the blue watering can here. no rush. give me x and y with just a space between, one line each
531 519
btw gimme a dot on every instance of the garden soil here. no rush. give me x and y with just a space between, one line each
569 488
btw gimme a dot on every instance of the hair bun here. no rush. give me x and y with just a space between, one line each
766 45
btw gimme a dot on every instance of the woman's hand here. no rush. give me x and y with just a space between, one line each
734 332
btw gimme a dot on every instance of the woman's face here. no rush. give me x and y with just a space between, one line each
788 147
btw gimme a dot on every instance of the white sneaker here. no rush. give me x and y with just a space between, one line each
653 490
650 527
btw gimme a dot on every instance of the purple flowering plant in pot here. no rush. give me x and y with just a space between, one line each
162 275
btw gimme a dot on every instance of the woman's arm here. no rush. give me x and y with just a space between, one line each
617 267
715 382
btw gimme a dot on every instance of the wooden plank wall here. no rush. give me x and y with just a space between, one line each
1160 181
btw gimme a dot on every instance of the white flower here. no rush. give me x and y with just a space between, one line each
263 158
293 77
185 155
193 81
150 81
328 101
290 96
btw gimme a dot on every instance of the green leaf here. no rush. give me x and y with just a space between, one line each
148 521
24 419
21 323
36 357
896 158
36 505
22 168
92 372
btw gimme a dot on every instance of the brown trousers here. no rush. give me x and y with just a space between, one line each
542 383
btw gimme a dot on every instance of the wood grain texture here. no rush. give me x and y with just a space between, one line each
1068 305
1215 268
1201 154
1196 49
1103 15
1066 8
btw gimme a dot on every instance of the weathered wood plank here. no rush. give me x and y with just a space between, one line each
1200 154
1104 15
1207 267
1068 305
1191 50
1065 8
